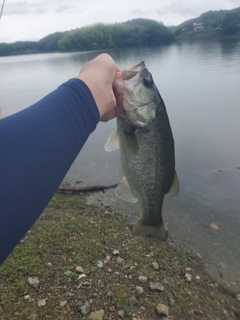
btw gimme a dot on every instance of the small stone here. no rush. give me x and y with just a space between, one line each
121 313
188 292
169 281
96 315
63 303
238 296
110 294
133 301
81 276
42 303
86 308
142 279
87 283
188 269
198 277
162 309
49 264
115 252
99 264
156 286
198 311
126 266
107 259
109 270
188 277
139 289
79 269
32 281
68 294
155 265
130 277
171 301
88 272
119 260
27 296
32 316
111 308
68 273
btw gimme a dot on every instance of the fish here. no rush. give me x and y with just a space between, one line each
145 140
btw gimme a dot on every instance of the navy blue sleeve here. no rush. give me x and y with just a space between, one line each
37 147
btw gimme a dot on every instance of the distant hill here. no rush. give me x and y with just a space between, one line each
133 33
222 23
46 44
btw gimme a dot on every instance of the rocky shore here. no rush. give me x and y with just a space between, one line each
80 261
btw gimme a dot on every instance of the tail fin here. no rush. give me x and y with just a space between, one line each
157 232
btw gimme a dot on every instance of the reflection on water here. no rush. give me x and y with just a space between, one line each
199 83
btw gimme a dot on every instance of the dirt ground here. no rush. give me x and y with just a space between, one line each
87 265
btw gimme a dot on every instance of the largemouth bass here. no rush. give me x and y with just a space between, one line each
146 144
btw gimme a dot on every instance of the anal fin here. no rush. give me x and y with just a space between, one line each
174 190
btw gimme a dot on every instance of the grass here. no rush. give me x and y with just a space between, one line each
70 233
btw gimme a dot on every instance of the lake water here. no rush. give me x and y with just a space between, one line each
200 84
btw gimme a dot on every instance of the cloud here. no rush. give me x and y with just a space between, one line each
63 8
159 11
39 7
195 7
186 8
16 8
136 12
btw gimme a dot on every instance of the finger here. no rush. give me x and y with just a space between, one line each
119 98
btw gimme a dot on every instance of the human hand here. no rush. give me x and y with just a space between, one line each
99 74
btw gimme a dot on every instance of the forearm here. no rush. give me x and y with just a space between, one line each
37 147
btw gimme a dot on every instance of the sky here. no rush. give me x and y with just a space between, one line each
34 19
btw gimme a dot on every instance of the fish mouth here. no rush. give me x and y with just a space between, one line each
136 106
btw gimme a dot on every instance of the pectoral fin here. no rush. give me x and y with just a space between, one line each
174 190
112 143
123 191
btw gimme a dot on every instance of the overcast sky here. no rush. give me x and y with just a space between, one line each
34 19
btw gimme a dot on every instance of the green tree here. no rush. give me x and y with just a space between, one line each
50 42
230 21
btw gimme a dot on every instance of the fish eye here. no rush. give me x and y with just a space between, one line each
148 81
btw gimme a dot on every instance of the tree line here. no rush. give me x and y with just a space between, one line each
136 32
133 33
